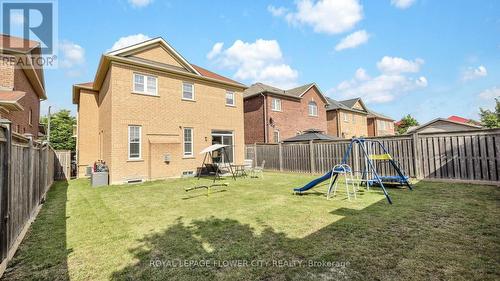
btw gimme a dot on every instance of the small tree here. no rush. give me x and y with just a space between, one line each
61 130
491 119
406 122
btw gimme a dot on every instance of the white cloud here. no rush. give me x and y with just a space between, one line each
17 17
352 40
395 65
490 93
128 41
259 61
139 3
474 73
72 54
402 4
277 12
327 16
216 49
385 87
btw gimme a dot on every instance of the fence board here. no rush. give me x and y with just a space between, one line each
456 155
27 170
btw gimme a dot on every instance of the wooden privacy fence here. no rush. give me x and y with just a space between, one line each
62 168
467 155
26 173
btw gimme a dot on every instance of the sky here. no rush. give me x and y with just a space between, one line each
425 58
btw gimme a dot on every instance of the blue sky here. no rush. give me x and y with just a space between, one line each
426 58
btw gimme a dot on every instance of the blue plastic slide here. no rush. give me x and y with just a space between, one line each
314 182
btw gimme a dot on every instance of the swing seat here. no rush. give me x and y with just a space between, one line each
340 170
385 156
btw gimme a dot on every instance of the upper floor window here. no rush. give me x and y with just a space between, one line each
187 91
313 109
30 117
276 104
134 142
145 84
230 98
346 117
354 118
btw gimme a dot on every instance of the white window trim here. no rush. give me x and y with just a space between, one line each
309 106
191 154
279 136
145 91
182 91
30 117
234 101
272 104
140 143
346 117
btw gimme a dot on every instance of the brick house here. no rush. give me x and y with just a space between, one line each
21 87
149 112
273 114
347 119
379 124
352 118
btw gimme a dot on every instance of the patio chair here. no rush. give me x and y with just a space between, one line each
247 167
259 170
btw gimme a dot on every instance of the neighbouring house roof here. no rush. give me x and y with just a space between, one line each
10 100
311 134
126 56
345 105
296 93
373 114
418 128
13 43
463 120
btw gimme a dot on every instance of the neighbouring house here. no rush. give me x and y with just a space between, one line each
149 112
273 114
347 119
22 86
379 124
442 125
311 135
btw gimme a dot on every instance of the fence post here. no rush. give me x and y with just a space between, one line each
416 156
30 169
311 156
6 181
280 151
255 154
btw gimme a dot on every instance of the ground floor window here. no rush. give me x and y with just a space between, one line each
225 138
188 141
276 136
134 142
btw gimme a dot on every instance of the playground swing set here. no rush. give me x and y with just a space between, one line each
216 159
369 176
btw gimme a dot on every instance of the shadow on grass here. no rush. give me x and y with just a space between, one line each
43 255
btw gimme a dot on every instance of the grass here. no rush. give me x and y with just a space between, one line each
438 231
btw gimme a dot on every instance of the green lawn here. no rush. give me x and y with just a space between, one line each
133 232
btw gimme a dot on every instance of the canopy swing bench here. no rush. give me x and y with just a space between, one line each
215 164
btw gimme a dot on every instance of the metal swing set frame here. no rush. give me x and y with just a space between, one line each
365 147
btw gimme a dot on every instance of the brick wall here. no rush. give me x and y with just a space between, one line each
294 115
6 74
332 123
30 102
254 119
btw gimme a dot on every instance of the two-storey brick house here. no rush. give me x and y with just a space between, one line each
379 124
273 114
149 112
22 85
